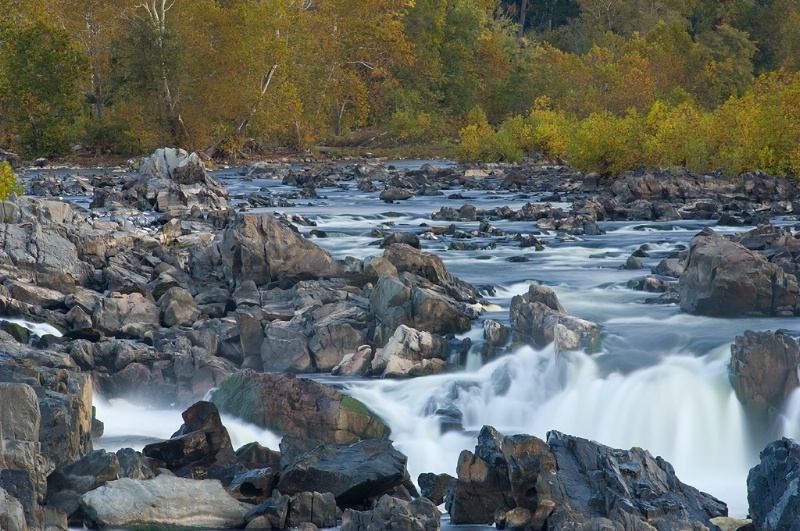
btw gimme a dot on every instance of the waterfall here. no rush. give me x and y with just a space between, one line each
681 409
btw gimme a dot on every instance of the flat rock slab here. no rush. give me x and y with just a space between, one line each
163 502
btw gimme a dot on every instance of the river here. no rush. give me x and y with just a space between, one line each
660 381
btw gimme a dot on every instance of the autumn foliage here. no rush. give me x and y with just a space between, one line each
604 85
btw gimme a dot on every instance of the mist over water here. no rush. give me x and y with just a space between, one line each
660 382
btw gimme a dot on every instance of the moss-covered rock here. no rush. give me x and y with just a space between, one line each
298 406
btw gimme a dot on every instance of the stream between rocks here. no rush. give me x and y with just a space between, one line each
659 381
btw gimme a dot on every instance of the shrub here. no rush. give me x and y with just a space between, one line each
8 182
607 144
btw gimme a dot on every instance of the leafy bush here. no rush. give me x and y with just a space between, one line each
607 144
8 181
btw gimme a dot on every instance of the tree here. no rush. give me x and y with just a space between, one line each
42 72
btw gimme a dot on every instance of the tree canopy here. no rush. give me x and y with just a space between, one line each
227 76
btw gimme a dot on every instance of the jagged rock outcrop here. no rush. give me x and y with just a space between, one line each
262 249
170 180
298 406
537 318
773 487
569 480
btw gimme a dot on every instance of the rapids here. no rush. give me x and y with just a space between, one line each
660 381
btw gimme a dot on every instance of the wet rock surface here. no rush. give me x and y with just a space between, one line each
773 487
163 291
568 480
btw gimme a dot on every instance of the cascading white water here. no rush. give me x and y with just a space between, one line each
682 409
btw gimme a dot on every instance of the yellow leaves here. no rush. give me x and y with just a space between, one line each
8 182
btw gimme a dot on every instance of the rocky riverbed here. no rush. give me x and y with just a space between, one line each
442 300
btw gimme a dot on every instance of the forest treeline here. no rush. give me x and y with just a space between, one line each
604 84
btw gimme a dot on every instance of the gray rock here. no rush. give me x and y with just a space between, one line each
12 515
569 480
536 316
410 300
49 258
668 267
395 514
69 482
409 352
262 249
269 514
171 180
338 328
23 469
724 279
763 371
285 348
125 315
312 507
253 486
35 295
773 487
178 308
352 473
165 501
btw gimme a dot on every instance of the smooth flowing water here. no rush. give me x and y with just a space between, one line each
660 381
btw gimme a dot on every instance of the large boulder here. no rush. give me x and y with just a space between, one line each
352 473
262 249
164 502
773 488
298 406
410 300
394 514
723 278
172 180
763 370
537 318
125 316
69 482
407 259
42 252
569 481
409 352
178 308
202 440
